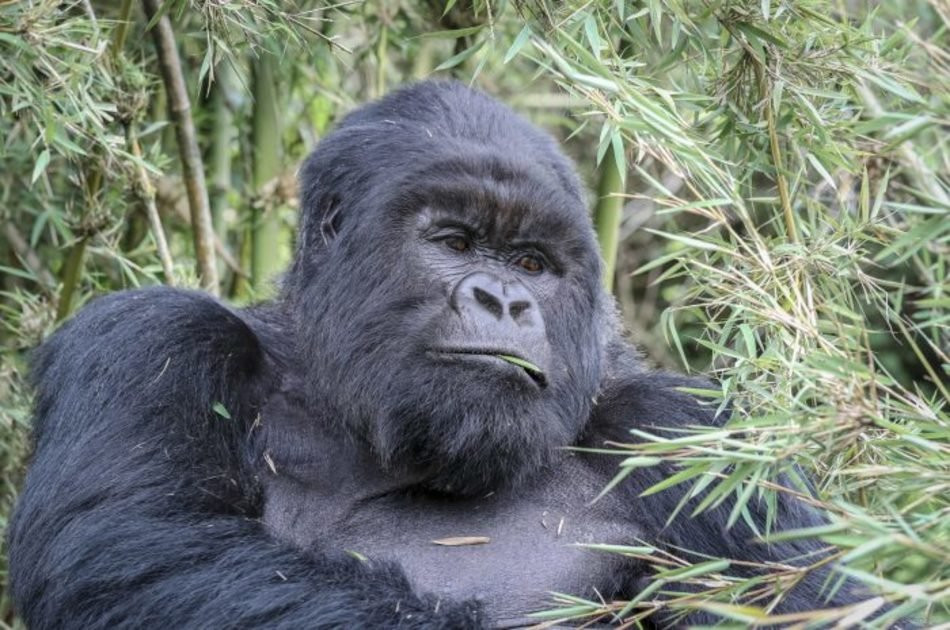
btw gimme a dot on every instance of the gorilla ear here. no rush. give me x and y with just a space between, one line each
330 223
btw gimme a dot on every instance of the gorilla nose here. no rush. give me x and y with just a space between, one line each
489 294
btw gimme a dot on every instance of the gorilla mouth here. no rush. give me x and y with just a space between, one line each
499 358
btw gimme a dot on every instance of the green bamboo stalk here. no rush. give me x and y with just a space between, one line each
608 213
221 133
381 49
778 163
71 272
122 27
240 287
266 236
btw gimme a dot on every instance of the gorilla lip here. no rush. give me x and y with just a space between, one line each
535 373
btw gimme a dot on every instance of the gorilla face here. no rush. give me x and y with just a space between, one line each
409 290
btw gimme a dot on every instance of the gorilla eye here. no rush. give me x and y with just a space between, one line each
458 243
531 264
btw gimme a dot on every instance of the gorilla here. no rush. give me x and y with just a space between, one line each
386 443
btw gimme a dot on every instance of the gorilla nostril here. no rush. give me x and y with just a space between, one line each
517 308
489 302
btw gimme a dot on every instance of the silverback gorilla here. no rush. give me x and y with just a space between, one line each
441 336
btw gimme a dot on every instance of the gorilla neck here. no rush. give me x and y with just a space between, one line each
401 450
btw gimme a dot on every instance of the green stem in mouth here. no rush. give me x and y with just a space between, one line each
531 367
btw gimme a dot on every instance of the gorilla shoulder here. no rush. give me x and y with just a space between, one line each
142 348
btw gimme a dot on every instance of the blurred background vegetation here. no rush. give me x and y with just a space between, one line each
769 182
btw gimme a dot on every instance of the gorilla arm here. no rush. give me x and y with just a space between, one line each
138 508
634 398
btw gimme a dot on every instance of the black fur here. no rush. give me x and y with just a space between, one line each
162 414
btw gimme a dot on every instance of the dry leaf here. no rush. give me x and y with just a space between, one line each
461 541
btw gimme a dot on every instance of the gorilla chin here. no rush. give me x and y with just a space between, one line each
473 427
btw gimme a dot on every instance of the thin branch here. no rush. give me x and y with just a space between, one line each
169 201
179 107
219 247
30 259
146 193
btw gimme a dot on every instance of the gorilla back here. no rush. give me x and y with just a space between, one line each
394 455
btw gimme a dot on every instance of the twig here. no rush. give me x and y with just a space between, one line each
179 107
146 193
29 257
168 197
219 247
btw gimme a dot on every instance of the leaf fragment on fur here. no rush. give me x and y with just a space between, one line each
461 541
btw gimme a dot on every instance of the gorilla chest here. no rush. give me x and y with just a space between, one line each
510 550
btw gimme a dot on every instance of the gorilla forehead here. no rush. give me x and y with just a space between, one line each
448 113
443 138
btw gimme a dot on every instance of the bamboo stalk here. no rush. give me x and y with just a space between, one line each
266 141
121 27
179 107
608 213
72 270
381 48
221 147
778 163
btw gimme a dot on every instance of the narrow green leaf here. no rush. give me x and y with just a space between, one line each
454 33
518 44
696 570
455 60
448 7
41 163
531 367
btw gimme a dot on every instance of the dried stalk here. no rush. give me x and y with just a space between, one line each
179 107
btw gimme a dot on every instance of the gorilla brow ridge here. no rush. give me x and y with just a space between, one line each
509 199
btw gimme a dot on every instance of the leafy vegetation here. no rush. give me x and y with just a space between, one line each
771 186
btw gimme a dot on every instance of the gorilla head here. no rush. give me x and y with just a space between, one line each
439 231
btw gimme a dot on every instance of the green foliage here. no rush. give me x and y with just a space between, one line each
786 213
814 274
